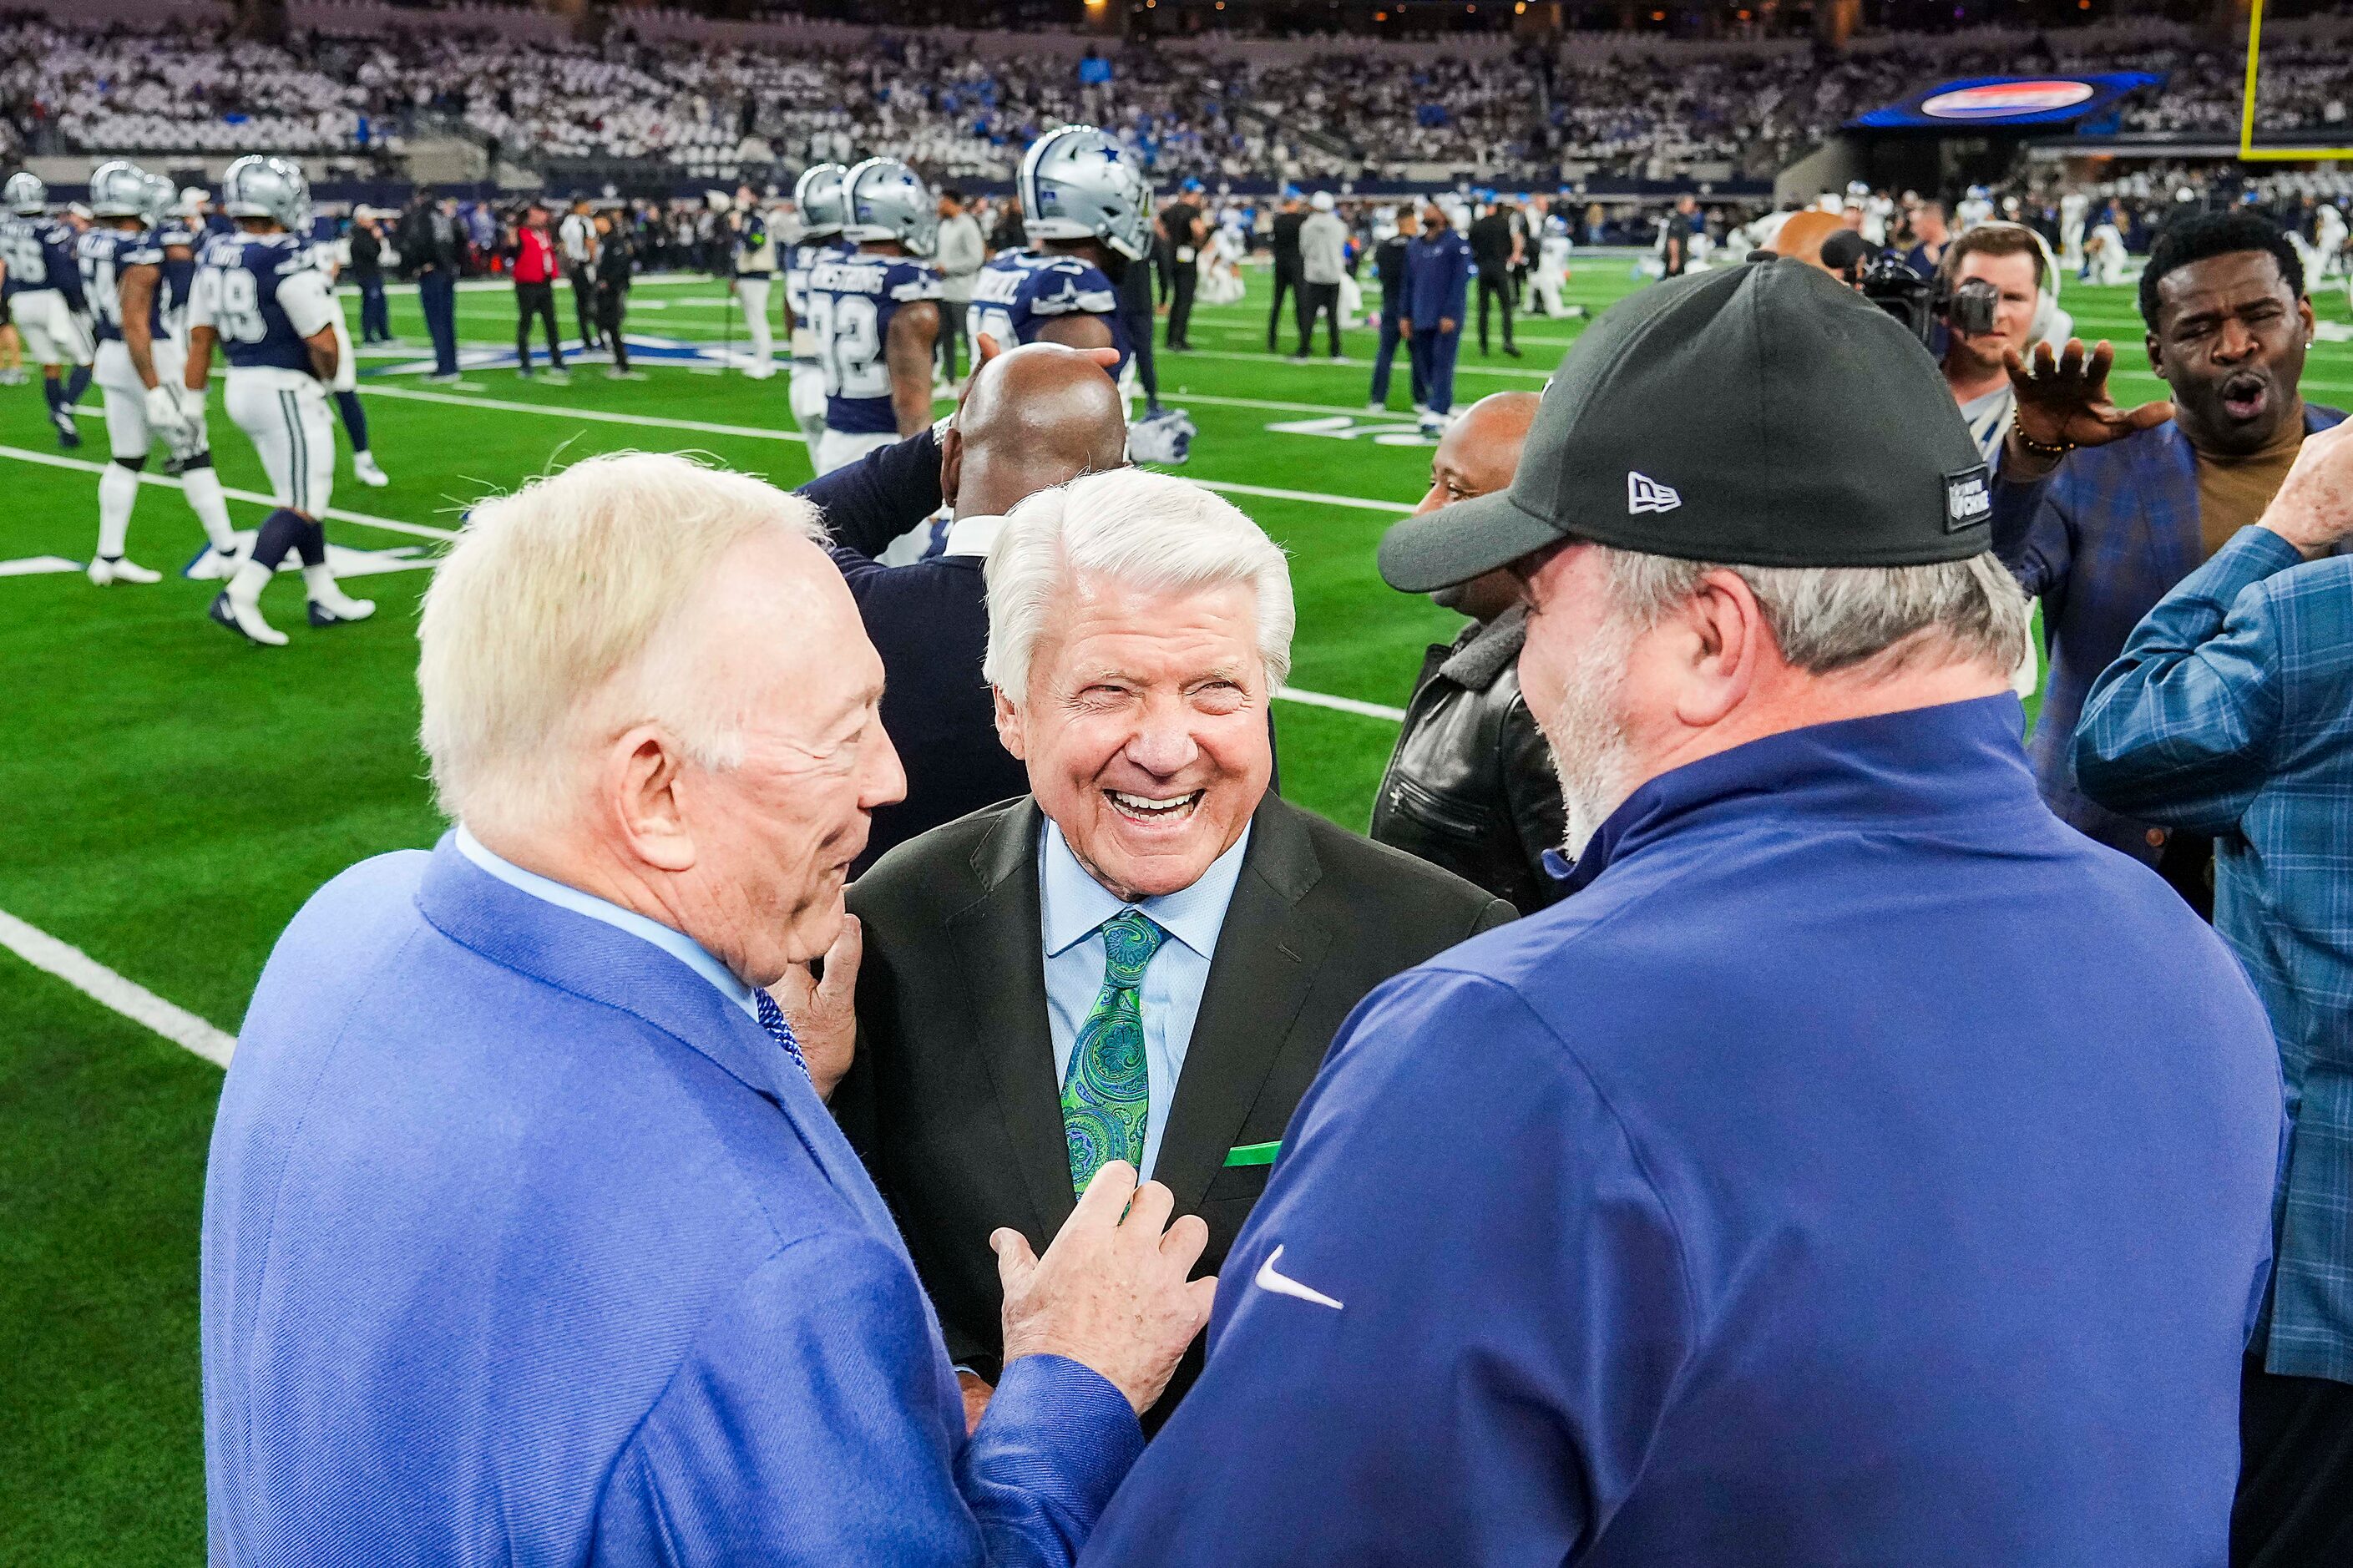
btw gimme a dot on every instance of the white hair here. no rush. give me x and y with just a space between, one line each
551 623
1828 618
1148 531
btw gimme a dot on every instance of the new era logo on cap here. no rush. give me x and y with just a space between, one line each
1969 499
1644 493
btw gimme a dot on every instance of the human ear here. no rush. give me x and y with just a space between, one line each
1009 731
1727 636
643 770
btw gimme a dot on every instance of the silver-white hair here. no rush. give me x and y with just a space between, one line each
555 620
1148 531
1828 618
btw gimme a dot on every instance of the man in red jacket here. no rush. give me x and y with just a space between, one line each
535 270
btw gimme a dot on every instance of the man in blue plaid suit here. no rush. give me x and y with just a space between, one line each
2230 714
2099 535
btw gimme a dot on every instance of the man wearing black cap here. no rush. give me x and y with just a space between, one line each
1862 1166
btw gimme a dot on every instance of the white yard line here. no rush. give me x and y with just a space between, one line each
84 466
590 416
1343 704
103 986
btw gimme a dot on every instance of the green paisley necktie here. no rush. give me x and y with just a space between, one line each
1106 1091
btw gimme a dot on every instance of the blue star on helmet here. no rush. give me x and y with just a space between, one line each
1111 153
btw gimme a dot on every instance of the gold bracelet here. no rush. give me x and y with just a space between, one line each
2039 450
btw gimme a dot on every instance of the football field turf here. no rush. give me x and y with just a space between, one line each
178 793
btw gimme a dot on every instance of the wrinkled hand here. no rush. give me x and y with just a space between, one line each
2314 509
1110 1292
823 1012
2062 398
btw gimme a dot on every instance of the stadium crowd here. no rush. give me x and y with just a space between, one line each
709 109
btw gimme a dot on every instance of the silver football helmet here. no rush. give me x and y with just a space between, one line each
270 187
818 196
887 200
24 193
1079 183
162 199
119 188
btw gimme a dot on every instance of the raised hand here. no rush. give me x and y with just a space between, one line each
2314 509
2063 397
1110 1291
823 1013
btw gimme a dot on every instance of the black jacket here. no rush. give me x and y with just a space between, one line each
953 1101
419 249
367 254
1491 244
1287 243
1389 266
1471 786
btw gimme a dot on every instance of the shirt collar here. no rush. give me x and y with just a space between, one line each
972 535
676 944
1074 904
1960 760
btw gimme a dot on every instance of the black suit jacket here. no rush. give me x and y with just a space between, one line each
953 1103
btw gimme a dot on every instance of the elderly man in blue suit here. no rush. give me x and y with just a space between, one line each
528 1237
2101 535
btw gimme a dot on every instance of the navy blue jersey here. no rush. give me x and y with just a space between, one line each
39 252
799 260
179 273
852 299
263 295
106 254
1021 291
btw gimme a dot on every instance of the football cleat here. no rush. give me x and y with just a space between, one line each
245 622
364 466
118 570
336 609
68 433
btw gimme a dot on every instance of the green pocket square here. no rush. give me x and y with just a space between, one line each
1253 1154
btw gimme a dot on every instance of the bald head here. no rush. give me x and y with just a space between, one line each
1801 235
1035 418
1478 457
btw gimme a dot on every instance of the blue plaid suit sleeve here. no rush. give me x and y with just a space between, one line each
2182 729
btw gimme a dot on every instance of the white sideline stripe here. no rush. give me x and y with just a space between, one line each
103 986
84 466
590 416
1342 704
1393 507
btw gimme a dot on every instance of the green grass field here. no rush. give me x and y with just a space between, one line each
177 795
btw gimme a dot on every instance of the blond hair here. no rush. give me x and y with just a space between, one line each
541 626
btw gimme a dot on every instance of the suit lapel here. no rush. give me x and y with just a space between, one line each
1265 964
997 941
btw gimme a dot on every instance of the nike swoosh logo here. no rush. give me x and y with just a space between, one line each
1270 1279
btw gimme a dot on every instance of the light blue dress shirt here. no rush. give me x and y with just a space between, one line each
1072 907
676 944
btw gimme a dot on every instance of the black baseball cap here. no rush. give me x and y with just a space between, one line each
1760 416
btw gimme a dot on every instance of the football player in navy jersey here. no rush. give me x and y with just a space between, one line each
261 298
876 314
1087 210
43 280
816 198
140 365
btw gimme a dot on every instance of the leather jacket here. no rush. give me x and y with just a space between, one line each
1470 786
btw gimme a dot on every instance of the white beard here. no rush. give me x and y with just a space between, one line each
1586 736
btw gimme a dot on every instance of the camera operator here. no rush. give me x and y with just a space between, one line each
1991 280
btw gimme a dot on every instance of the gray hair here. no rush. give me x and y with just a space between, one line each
1828 618
555 618
1146 530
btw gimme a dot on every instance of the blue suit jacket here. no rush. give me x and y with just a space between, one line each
2100 543
523 1245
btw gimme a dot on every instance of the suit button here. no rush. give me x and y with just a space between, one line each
2157 839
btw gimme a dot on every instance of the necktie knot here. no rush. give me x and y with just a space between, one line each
780 1028
1130 939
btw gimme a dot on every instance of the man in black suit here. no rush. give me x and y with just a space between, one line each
1287 226
1145 959
1033 418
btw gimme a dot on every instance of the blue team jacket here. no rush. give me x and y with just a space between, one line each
523 1245
1436 279
1863 1168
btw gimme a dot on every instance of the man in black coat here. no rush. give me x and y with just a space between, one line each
1496 248
1470 784
1145 958
1033 418
1286 262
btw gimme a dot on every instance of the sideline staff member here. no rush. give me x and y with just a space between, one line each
1863 1166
